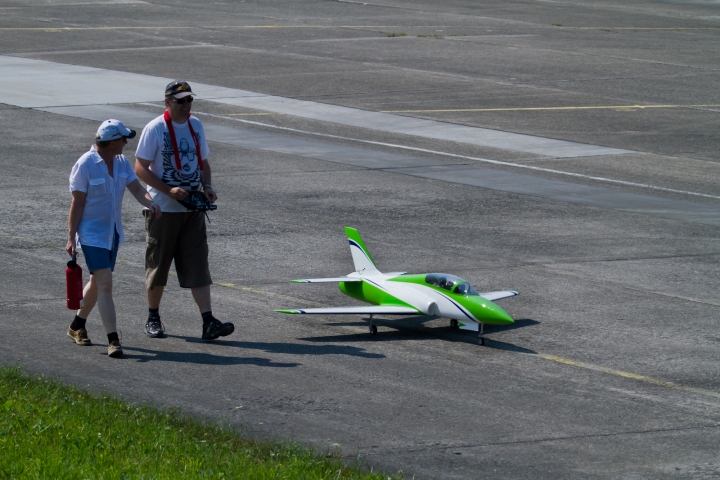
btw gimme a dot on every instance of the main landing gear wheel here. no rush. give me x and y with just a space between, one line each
481 336
481 340
454 323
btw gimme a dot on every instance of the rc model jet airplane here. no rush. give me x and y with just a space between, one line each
396 293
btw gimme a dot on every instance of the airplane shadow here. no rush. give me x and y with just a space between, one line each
510 347
289 348
520 323
412 328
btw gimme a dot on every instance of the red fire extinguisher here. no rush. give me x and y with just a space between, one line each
74 284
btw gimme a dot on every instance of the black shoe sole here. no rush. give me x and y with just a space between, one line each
227 329
156 335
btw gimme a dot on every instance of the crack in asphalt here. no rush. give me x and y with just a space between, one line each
542 440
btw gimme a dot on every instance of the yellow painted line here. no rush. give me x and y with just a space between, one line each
552 358
531 109
265 293
639 28
29 240
133 264
633 376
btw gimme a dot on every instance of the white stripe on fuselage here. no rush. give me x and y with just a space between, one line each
421 297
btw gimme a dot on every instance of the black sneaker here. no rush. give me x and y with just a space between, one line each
154 328
215 329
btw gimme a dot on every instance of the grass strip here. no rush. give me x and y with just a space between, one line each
49 430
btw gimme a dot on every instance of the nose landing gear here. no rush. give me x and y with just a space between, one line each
373 328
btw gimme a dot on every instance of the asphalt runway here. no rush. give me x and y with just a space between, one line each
567 150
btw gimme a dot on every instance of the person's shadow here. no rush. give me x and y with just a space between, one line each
289 348
146 355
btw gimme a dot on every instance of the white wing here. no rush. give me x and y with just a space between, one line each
373 310
492 296
331 279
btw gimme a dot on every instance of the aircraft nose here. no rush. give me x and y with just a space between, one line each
494 315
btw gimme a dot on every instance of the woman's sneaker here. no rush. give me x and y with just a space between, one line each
114 349
80 336
215 328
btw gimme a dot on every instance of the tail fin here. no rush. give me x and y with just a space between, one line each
361 257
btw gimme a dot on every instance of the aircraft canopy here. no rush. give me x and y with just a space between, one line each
451 283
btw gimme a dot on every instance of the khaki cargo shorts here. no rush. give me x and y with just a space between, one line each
179 236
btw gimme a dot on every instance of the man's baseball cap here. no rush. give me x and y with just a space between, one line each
178 89
112 130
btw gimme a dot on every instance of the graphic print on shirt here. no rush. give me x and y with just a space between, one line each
186 155
189 177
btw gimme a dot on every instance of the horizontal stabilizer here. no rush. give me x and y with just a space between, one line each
373 310
330 279
492 296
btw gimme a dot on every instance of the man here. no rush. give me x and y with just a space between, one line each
97 184
172 159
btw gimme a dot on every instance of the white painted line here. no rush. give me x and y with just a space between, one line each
465 157
24 84
388 122
420 166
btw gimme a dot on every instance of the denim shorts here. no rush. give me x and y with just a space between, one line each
98 258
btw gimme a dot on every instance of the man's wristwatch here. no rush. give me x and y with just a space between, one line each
208 186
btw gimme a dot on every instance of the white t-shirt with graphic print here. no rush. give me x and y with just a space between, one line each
155 145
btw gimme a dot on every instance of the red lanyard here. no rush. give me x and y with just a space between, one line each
171 130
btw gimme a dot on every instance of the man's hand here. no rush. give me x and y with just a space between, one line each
210 194
142 169
155 209
178 193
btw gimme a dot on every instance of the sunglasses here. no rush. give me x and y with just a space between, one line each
181 101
